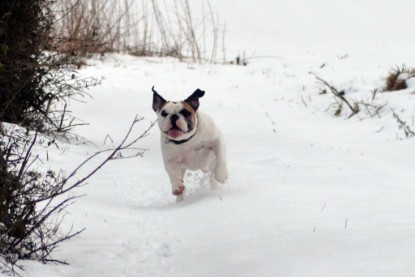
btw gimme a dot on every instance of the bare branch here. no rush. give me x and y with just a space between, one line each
354 108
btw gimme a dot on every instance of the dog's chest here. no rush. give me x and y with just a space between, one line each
194 157
199 152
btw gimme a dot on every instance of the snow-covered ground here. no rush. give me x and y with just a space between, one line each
309 194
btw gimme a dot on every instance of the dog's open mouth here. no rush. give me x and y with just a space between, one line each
175 132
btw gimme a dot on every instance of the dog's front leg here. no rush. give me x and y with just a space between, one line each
221 172
174 170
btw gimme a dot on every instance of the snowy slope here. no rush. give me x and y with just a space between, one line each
309 194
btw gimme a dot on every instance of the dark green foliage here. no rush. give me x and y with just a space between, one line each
17 205
10 207
24 28
32 82
27 226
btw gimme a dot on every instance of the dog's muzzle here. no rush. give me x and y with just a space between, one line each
173 120
175 131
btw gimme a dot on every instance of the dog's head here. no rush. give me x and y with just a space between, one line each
177 120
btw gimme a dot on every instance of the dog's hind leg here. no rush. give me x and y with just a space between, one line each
220 171
209 171
213 184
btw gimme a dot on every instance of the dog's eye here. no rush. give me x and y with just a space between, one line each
185 113
164 114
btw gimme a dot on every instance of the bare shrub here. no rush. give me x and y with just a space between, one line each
369 106
396 80
142 28
85 27
32 204
63 83
35 85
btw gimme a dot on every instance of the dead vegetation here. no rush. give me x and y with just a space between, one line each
33 203
340 99
35 88
141 28
402 125
397 78
354 106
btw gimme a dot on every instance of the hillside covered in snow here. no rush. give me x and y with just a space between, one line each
312 190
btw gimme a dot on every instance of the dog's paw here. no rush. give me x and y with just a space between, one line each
179 190
221 174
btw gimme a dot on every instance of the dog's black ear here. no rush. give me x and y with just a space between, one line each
193 100
158 101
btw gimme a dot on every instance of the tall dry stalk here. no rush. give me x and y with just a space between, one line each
142 28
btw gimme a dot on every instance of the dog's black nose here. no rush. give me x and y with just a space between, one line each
173 119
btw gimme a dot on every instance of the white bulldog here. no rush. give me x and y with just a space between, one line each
190 140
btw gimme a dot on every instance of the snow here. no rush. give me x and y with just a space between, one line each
309 194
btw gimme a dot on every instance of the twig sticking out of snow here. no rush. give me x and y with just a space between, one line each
403 126
32 230
354 108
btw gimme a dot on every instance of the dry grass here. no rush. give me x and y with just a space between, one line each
396 80
142 28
